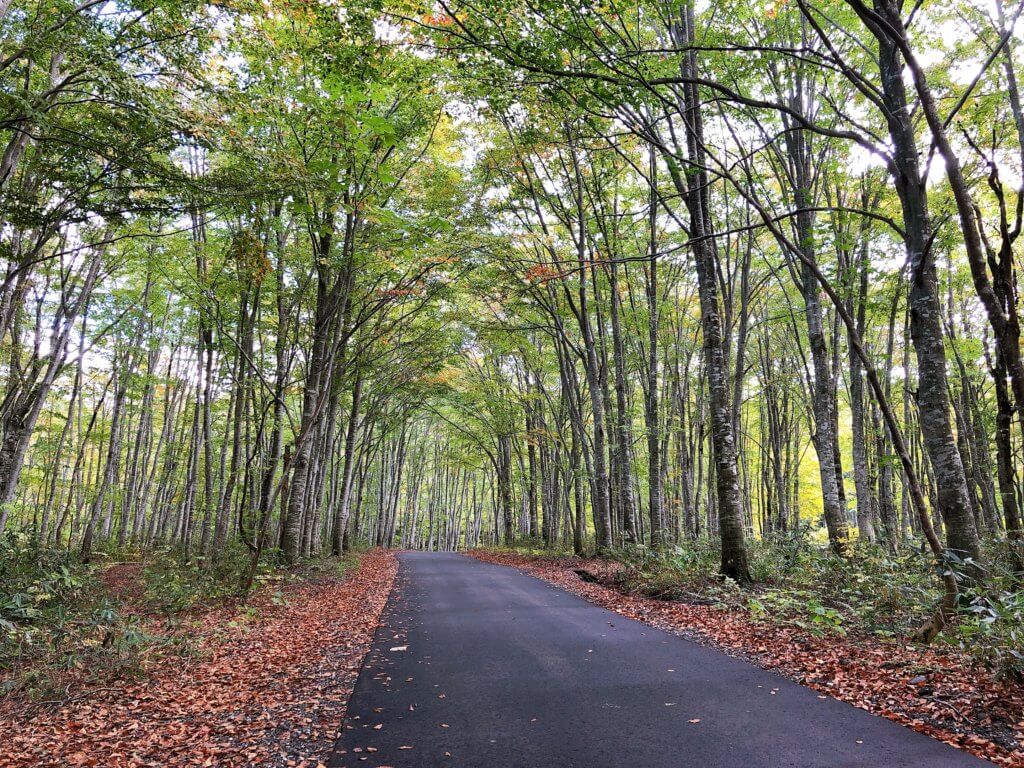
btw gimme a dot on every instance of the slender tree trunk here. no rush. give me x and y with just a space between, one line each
696 194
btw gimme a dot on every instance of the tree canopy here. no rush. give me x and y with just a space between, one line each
286 278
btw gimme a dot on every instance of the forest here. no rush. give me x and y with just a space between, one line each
704 297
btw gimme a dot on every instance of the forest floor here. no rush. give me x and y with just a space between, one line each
260 683
934 690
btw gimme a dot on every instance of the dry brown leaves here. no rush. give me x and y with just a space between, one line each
934 690
269 690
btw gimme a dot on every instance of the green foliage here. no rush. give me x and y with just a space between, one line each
679 573
55 619
990 626
799 607
315 569
174 583
36 583
875 591
798 583
991 629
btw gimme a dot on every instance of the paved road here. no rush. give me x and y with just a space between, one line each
480 666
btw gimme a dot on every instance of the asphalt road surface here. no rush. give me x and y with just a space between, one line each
481 666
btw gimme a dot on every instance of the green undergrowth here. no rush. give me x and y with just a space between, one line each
874 592
57 622
64 623
176 582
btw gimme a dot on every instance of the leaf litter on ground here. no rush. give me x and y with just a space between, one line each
269 691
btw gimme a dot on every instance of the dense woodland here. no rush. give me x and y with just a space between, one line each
282 279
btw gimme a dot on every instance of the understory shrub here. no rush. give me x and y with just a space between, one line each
990 626
875 590
55 619
175 582
63 621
